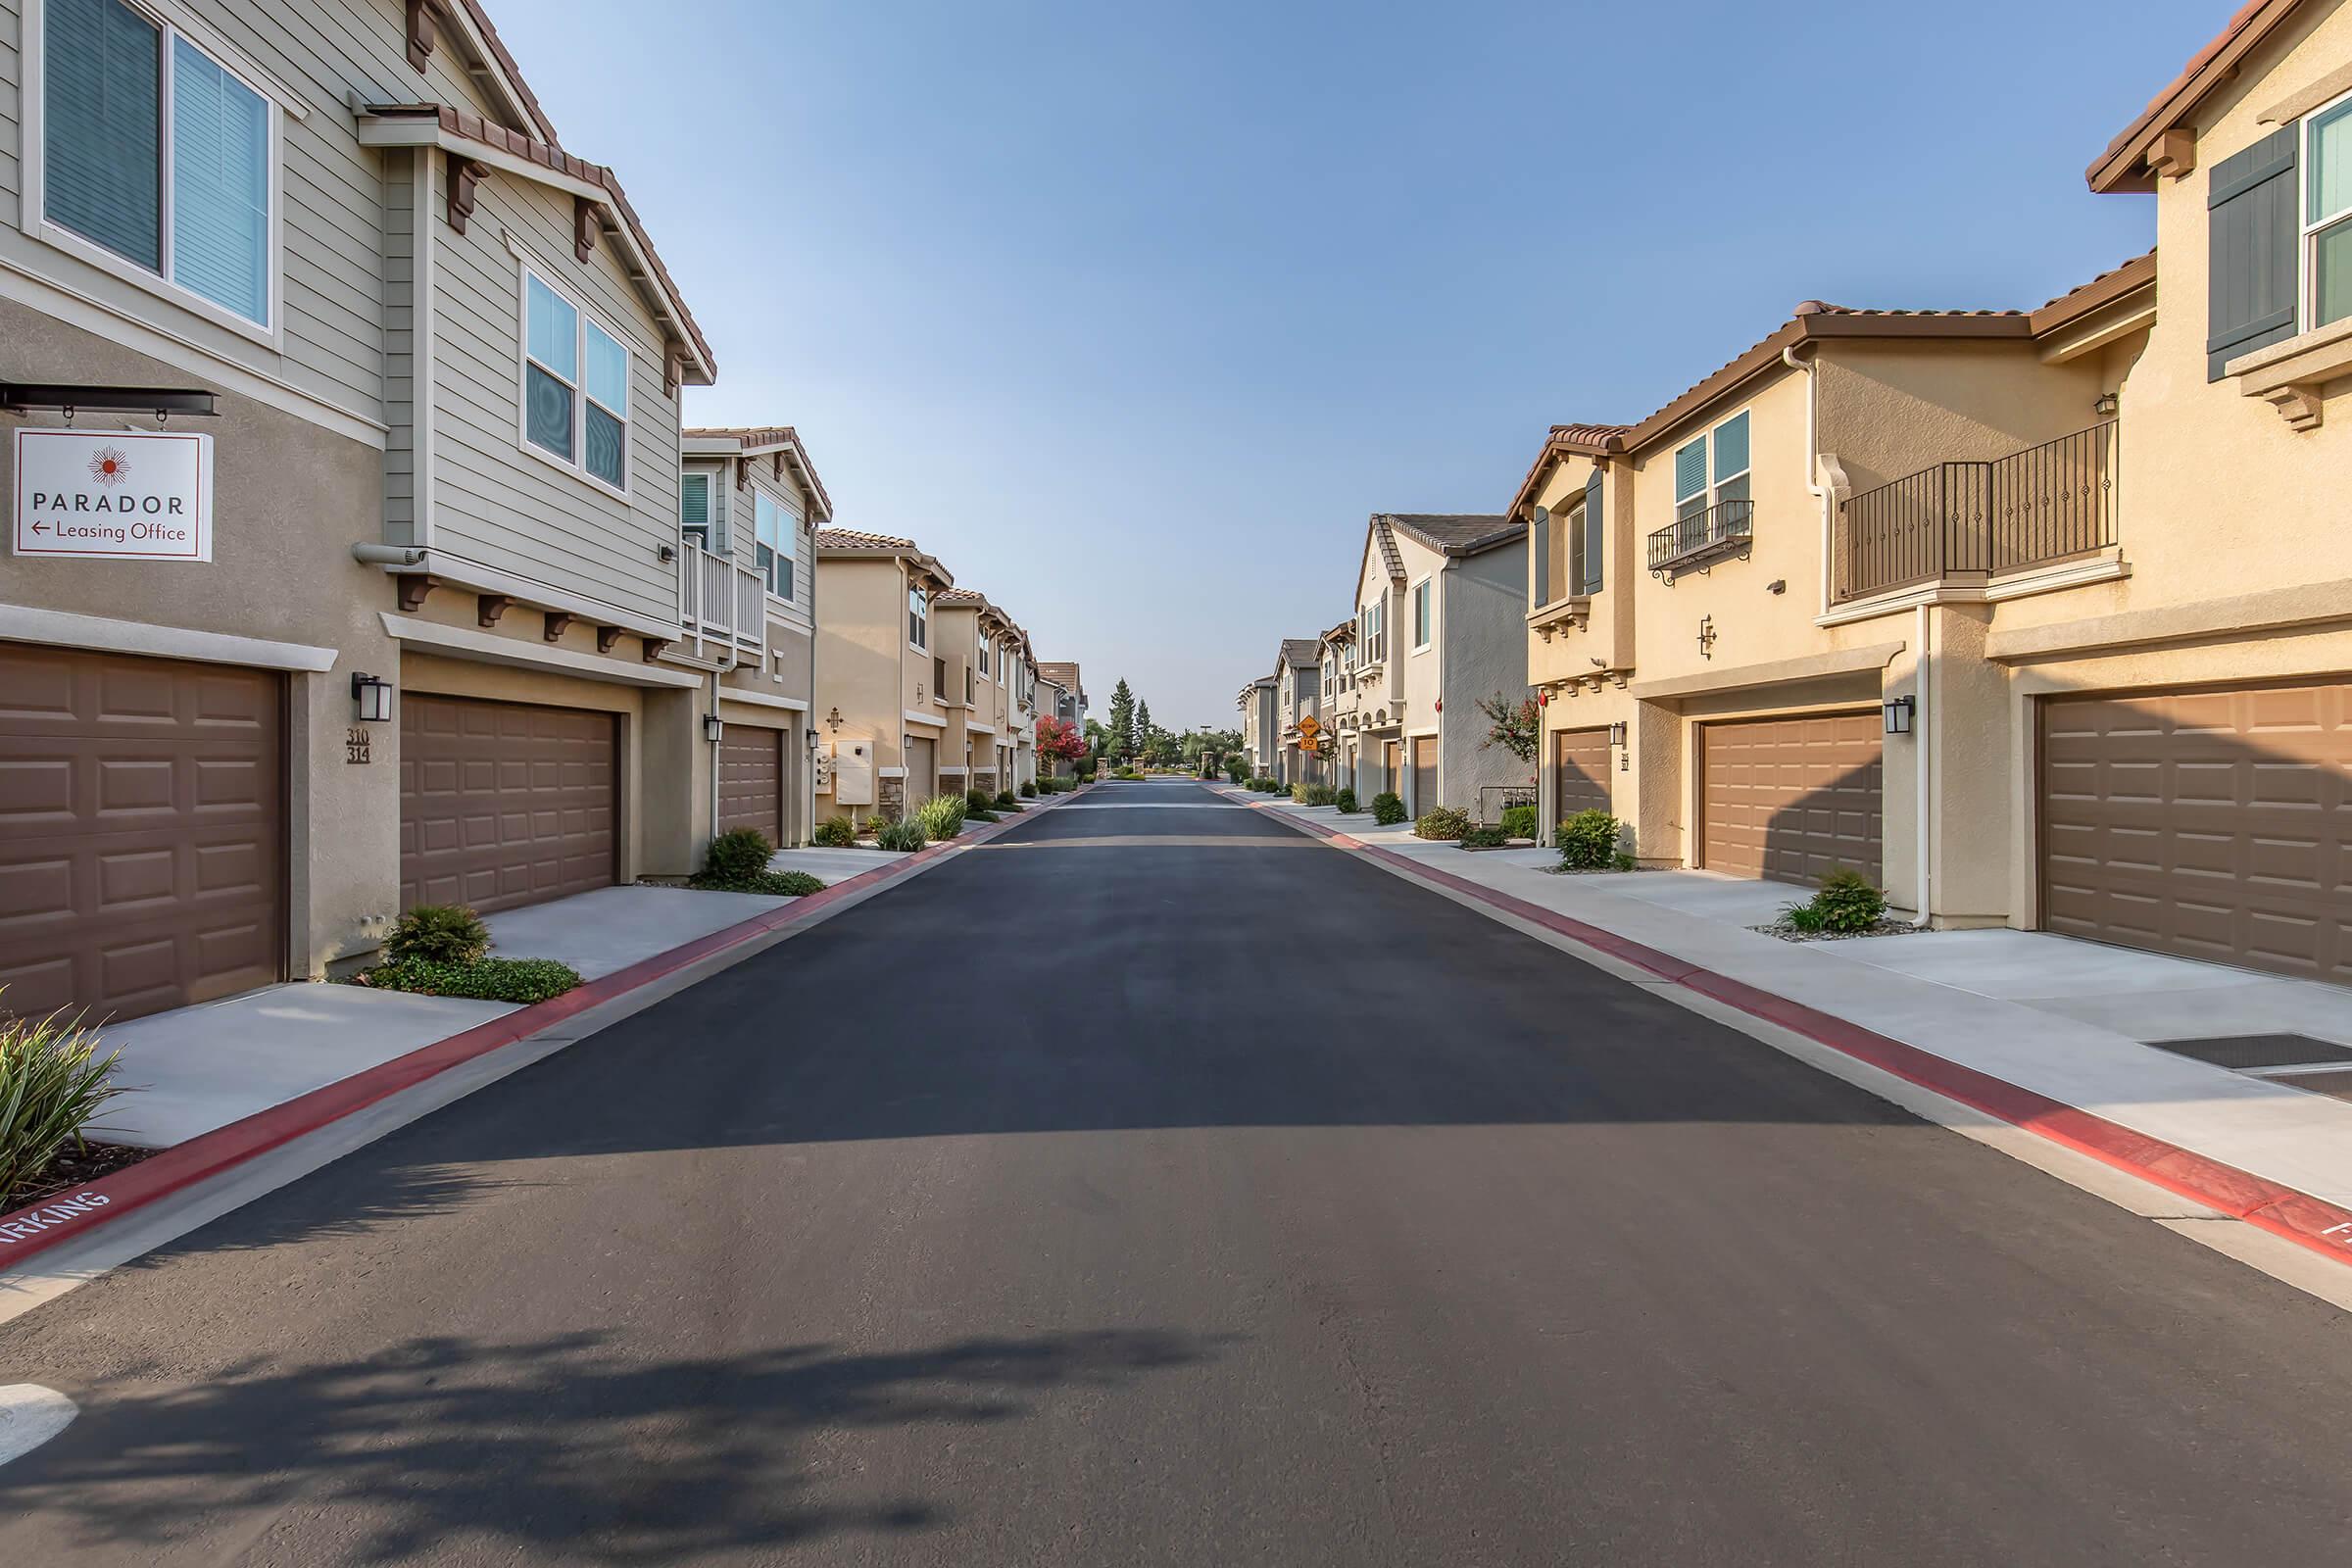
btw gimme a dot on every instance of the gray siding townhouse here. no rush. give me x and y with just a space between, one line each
1440 625
1297 675
1261 725
389 626
750 503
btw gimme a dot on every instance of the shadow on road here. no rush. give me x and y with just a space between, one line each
559 1442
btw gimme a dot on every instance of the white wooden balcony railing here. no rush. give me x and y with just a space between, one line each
722 607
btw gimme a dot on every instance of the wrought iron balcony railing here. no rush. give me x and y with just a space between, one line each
1688 543
2046 504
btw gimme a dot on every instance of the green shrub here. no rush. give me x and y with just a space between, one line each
1085 773
977 801
1028 789
1006 802
836 832
942 816
1344 800
1237 767
438 933
1804 918
1588 841
518 980
980 816
52 1084
1321 795
735 856
1518 822
1485 837
900 833
1847 901
1442 822
1298 794
1388 809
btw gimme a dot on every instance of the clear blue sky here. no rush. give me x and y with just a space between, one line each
1131 314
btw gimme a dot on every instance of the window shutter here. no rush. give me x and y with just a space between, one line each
1595 531
1539 534
2251 230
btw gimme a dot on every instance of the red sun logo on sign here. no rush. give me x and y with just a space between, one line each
110 466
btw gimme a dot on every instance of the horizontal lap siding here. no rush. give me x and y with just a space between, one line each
495 501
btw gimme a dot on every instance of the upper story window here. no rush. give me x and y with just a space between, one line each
1375 622
694 509
984 642
1330 677
918 617
1712 469
575 386
156 154
1421 613
2328 214
776 536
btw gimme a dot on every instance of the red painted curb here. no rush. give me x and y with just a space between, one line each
2311 1222
71 1215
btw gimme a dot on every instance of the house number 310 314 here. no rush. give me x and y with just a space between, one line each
355 744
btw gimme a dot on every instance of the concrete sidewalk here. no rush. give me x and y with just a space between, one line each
196 1068
2077 1021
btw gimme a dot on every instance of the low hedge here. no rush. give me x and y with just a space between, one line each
836 832
1442 822
1344 800
1588 841
901 833
1484 838
1518 822
1388 808
518 980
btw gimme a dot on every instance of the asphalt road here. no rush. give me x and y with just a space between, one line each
1155 1186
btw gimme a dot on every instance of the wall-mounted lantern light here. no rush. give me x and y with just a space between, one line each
833 719
373 696
2105 405
1899 716
813 739
1617 733
712 728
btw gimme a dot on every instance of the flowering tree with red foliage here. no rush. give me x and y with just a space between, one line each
1057 740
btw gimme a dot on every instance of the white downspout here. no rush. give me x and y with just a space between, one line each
1813 487
713 748
1922 754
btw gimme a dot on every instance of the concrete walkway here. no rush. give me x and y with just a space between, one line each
2075 1021
830 865
193 1069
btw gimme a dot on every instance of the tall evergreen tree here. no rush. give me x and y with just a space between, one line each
1145 730
1123 721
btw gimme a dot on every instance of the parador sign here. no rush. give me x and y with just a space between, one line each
137 495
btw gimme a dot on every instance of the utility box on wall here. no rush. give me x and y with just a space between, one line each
850 770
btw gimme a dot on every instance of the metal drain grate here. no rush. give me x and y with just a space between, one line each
2335 1084
2240 1053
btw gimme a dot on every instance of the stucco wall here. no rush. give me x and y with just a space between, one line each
1483 626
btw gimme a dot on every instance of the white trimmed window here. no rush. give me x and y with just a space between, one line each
1423 627
2327 213
157 160
1376 631
919 617
984 655
575 386
1712 468
775 539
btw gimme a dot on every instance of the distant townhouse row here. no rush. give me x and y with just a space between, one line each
2038 617
359 554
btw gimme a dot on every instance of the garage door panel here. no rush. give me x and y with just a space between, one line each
504 804
1793 799
142 841
2216 826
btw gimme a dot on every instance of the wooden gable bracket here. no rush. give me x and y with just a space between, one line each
412 588
2174 153
587 226
673 369
464 175
559 622
653 647
606 637
743 474
487 607
424 33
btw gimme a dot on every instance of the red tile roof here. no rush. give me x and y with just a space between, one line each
2121 166
851 539
763 438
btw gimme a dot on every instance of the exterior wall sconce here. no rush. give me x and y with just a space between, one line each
2105 405
667 553
1617 733
1899 716
812 739
373 696
713 728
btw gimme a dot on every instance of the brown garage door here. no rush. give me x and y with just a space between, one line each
1792 799
142 831
1581 772
922 774
503 804
751 780
2212 824
1425 774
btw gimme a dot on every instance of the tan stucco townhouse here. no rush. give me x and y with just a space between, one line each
420 655
880 677
978 647
2044 619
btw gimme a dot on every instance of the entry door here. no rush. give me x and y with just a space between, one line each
1389 764
922 773
1579 771
1425 774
